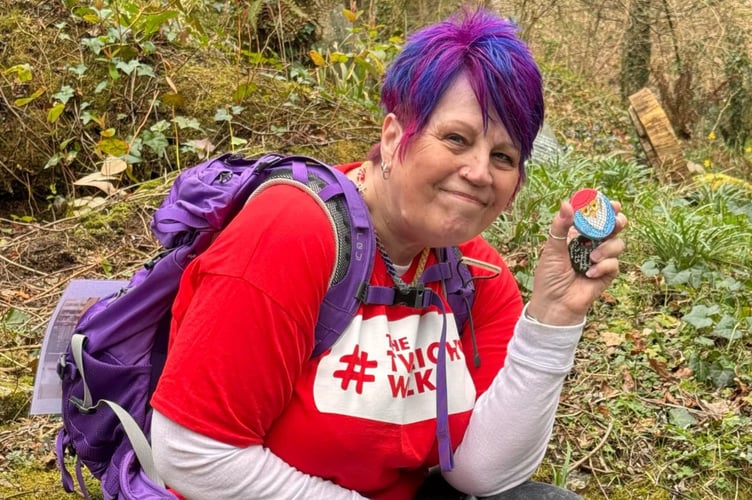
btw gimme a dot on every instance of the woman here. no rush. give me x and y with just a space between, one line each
242 411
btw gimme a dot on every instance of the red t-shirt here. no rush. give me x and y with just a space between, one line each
363 414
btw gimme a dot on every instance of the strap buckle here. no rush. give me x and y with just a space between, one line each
413 296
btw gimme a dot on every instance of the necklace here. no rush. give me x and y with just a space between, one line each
390 269
360 178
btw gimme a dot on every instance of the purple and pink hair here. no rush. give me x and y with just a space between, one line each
500 67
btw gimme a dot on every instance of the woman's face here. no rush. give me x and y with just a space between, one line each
455 177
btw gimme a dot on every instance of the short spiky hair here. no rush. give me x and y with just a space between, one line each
498 64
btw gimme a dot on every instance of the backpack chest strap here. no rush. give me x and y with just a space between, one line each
418 297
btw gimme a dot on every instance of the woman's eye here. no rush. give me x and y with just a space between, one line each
456 138
503 159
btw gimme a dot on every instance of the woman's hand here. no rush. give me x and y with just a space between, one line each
562 296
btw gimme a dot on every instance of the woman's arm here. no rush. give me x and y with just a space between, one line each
207 468
242 331
512 421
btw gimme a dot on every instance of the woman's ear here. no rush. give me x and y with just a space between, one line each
391 135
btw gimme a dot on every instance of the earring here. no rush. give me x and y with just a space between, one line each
386 170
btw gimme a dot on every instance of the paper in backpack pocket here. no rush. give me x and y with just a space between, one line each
78 296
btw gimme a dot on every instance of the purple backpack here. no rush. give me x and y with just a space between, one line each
119 346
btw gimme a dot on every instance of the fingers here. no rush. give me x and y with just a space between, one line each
605 258
562 223
607 268
621 219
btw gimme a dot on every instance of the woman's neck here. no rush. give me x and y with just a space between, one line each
400 253
372 187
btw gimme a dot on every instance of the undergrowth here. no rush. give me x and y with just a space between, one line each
658 404
659 401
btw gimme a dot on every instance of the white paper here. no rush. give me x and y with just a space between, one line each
78 296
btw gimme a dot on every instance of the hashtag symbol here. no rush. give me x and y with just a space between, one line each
357 366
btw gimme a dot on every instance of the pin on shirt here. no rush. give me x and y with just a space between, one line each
595 219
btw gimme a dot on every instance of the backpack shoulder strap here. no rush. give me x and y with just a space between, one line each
460 289
356 243
458 283
356 248
455 276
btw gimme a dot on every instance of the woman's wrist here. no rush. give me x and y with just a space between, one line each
551 317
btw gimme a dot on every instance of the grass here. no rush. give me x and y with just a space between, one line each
658 404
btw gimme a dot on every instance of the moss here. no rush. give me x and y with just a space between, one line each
14 402
644 490
26 481
155 189
589 487
336 152
113 219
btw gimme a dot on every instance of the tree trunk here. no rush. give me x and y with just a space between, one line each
636 51
331 25
736 123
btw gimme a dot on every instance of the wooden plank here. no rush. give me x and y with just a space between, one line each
662 149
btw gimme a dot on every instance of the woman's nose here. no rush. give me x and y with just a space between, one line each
477 170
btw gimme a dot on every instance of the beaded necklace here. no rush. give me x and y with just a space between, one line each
360 177
393 272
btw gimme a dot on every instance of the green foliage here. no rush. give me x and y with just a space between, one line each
354 67
668 347
102 107
659 402
708 228
15 324
131 91
689 235
525 225
560 474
